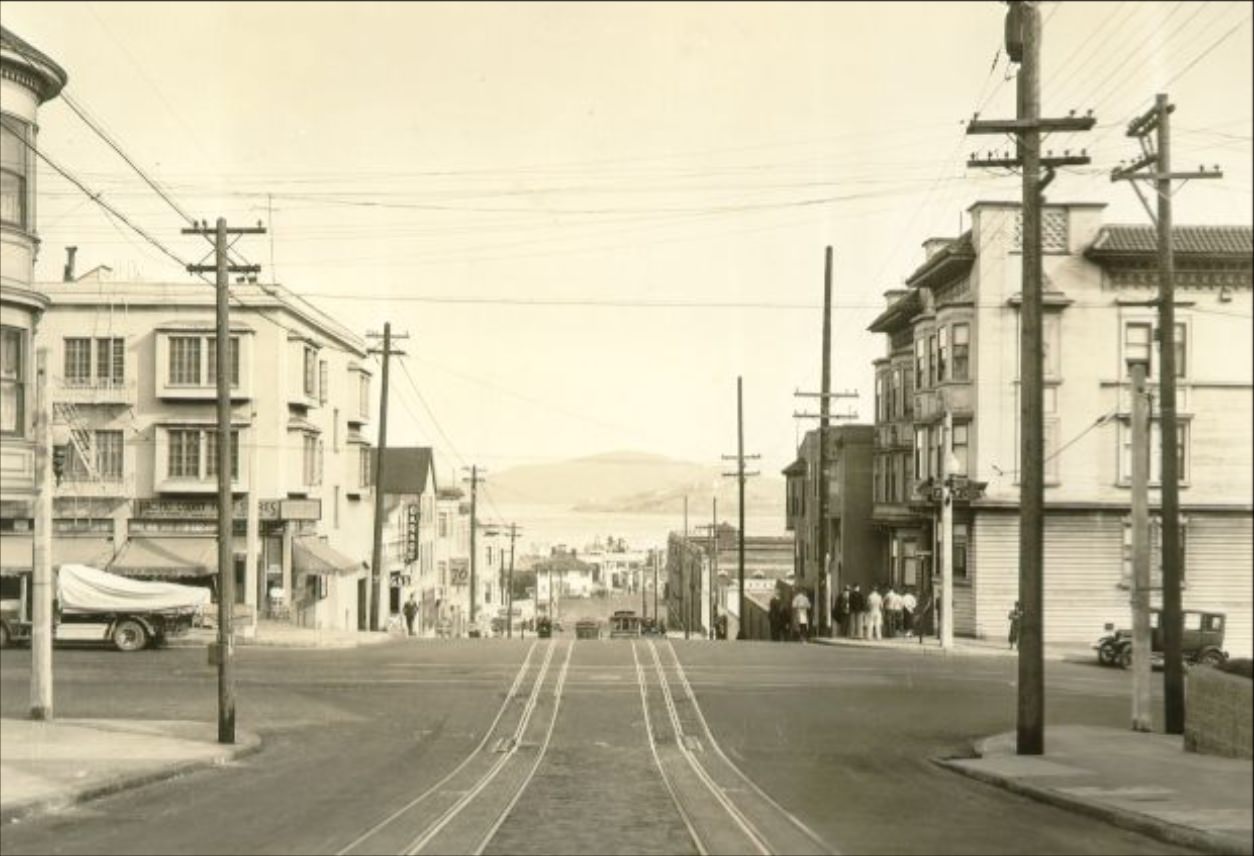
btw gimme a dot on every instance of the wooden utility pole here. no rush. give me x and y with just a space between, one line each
821 605
378 582
1023 45
224 652
740 475
509 606
713 564
657 558
947 536
1158 119
42 585
475 478
1142 719
685 586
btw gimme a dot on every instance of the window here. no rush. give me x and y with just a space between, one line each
363 395
1051 331
961 539
936 447
891 479
322 382
311 369
960 369
899 382
212 456
443 525
14 158
336 506
878 466
75 463
77 362
110 361
920 363
1137 338
184 360
364 462
879 397
909 562
335 430
184 453
109 455
12 381
920 453
932 360
1155 451
309 459
942 353
961 446
211 371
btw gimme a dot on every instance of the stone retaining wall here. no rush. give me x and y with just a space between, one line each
1219 713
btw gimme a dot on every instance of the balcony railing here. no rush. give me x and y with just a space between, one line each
97 391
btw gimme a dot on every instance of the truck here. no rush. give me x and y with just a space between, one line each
92 604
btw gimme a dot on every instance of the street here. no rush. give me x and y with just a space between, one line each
564 746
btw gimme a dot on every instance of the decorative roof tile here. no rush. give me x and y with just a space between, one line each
1190 240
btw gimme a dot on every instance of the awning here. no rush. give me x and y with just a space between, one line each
168 557
315 556
17 552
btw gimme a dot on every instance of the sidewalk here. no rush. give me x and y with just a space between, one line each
1143 782
965 646
50 765
280 634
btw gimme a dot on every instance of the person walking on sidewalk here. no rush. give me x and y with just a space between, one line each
411 611
857 611
840 614
908 606
801 613
774 616
1016 616
892 609
875 614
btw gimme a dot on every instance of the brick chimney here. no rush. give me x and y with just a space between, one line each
68 275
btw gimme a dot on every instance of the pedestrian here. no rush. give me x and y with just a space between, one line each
922 616
875 614
801 613
1016 617
908 606
840 612
857 611
892 610
411 612
775 616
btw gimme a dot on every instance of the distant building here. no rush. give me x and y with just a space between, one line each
410 524
952 341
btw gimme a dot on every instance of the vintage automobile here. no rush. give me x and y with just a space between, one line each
1201 642
587 628
544 628
624 624
96 605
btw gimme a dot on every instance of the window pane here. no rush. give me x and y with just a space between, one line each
109 454
12 148
1136 342
78 362
185 360
12 198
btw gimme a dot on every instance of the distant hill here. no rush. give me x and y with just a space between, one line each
630 482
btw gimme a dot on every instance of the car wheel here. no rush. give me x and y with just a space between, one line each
1211 657
130 635
1107 654
1125 658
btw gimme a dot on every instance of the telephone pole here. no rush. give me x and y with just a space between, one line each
509 604
1023 46
42 585
740 475
378 583
1158 119
475 478
684 574
222 269
1142 719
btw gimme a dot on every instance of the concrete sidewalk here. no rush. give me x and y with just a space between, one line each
965 647
1143 782
279 634
50 765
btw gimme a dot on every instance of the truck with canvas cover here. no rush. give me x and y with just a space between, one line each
96 605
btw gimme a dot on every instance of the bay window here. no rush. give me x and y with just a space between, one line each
12 381
14 171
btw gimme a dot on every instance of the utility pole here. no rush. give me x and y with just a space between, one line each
1023 46
1142 719
475 478
378 582
656 561
713 563
509 609
224 651
947 536
684 575
740 475
1158 119
43 589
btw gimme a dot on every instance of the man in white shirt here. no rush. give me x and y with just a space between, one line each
908 606
875 612
892 606
801 612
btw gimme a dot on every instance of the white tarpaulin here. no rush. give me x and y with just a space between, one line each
84 589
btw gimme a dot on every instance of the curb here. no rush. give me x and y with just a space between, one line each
1162 830
936 650
25 810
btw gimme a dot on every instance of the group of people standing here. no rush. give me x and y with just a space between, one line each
880 613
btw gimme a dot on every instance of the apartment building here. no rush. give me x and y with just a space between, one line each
952 348
133 386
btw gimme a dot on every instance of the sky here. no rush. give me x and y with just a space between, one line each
592 218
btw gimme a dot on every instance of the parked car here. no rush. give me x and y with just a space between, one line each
587 628
544 628
1201 641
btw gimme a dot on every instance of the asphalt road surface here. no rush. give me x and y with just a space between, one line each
565 746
